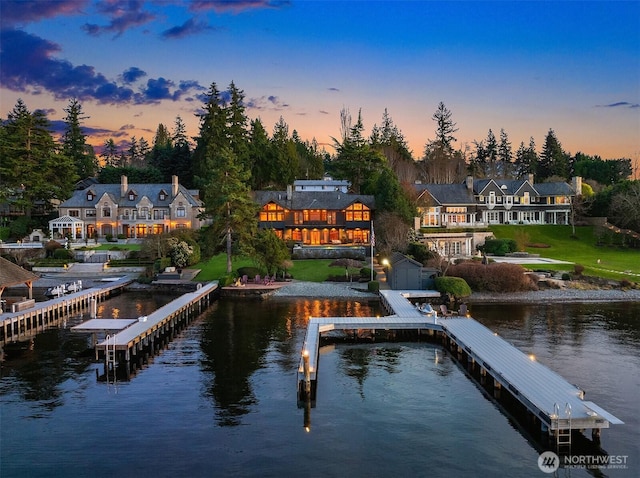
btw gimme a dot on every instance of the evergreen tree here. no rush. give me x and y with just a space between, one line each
212 136
261 155
505 155
160 156
492 155
181 156
229 203
110 153
445 127
237 125
285 154
553 160
389 140
441 164
74 142
478 165
526 161
132 152
32 166
356 161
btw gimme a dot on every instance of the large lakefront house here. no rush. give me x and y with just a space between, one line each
449 213
317 213
129 210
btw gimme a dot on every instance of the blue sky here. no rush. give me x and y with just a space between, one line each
522 66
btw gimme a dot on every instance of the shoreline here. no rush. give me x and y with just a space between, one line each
300 289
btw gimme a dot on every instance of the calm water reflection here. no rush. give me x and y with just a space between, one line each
221 401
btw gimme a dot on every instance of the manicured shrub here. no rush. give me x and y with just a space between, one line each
566 276
493 277
578 269
62 254
373 286
499 247
454 286
365 273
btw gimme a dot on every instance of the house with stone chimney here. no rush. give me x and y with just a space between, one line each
127 210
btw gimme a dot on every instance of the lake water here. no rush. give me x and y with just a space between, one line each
221 399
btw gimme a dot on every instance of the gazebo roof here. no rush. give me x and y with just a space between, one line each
66 220
12 274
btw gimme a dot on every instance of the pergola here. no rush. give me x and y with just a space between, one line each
12 274
67 225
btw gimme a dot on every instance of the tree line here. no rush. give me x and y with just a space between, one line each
233 150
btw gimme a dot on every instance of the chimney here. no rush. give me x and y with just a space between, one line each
124 186
469 183
174 186
576 182
289 192
530 178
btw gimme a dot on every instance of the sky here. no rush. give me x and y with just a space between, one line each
525 67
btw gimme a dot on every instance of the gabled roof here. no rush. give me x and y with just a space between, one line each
79 198
313 199
12 274
397 258
69 219
447 193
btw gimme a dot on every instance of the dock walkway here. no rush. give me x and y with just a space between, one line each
24 324
131 346
557 404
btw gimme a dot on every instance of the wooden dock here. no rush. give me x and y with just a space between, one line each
23 325
131 347
558 406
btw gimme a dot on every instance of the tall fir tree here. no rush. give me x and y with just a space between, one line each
213 136
74 141
440 163
229 204
553 160
505 155
33 167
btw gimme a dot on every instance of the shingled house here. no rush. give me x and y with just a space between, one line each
447 209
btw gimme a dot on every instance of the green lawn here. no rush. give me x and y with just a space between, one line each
316 270
581 250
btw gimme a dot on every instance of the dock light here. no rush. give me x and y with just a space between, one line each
385 262
532 357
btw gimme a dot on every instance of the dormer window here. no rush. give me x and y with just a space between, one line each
132 196
163 196
89 196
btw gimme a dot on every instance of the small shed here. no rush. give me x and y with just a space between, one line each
405 273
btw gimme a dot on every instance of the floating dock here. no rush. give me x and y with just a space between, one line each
557 405
131 346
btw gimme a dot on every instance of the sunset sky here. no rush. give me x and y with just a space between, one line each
522 66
